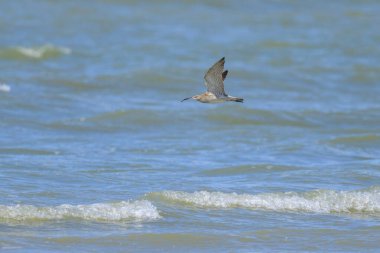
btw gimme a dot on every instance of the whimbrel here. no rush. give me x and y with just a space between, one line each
215 88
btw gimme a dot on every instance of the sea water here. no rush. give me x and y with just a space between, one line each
97 153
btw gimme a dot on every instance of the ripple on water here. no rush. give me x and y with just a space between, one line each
27 151
259 117
246 169
357 139
113 121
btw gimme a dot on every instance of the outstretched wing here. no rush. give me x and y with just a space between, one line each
214 79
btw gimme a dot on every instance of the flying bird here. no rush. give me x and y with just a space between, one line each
215 93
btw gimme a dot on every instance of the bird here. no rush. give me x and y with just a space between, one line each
215 93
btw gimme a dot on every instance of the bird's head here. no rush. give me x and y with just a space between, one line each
196 97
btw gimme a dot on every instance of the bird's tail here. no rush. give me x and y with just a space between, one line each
235 99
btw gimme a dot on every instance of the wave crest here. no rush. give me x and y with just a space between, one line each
42 52
4 87
124 210
320 201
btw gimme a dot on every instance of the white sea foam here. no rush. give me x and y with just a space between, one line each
4 87
320 201
137 210
42 51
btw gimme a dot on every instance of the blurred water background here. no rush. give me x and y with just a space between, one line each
98 154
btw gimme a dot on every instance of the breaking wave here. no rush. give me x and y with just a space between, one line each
42 52
319 201
124 210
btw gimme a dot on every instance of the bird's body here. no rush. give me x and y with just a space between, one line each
209 97
215 93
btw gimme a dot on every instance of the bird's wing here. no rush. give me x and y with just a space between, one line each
214 79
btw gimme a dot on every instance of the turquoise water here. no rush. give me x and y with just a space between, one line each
97 154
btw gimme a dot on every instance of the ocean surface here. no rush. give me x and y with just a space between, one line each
98 154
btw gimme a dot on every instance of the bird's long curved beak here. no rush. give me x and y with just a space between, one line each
185 99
